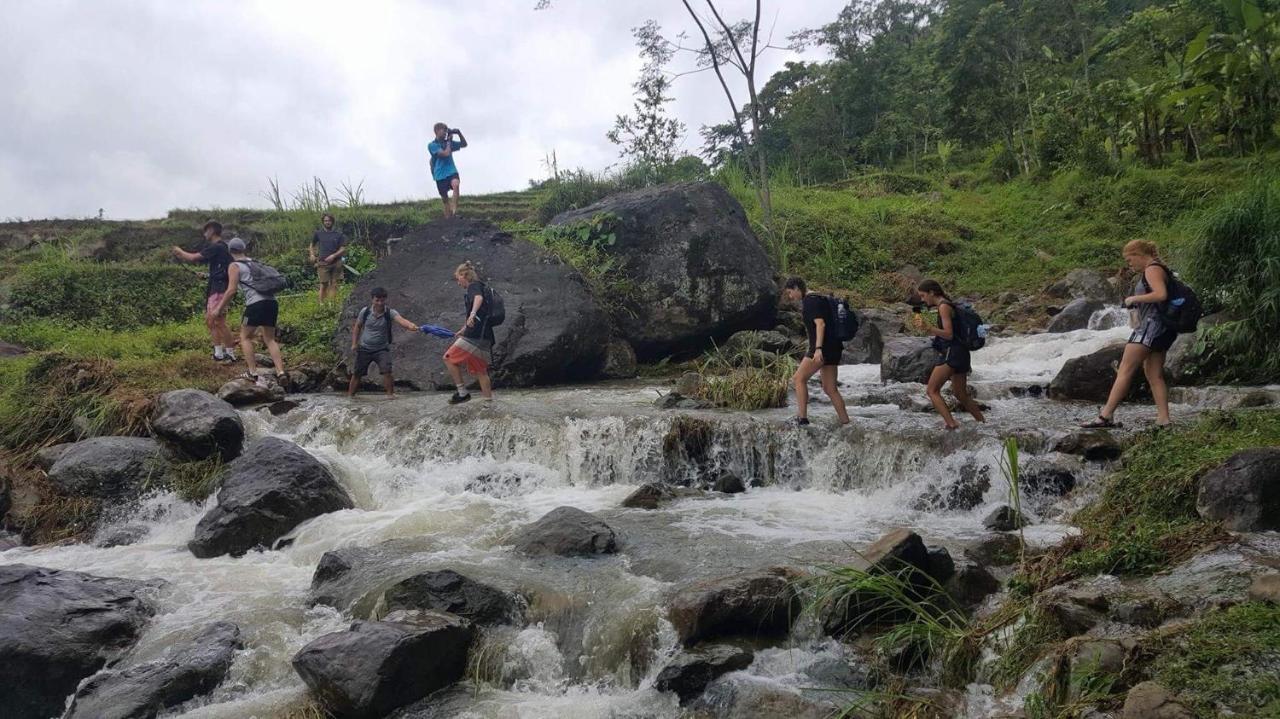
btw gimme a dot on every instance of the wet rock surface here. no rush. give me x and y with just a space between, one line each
689 673
143 691
268 491
1088 377
566 531
198 425
451 592
58 627
108 468
374 668
243 391
907 359
699 272
756 604
1075 316
1095 445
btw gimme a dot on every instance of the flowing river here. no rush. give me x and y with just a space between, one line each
448 485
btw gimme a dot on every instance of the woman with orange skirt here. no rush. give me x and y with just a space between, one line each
471 350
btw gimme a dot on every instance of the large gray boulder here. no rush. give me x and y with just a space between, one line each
143 691
1084 284
1244 492
374 668
1075 316
876 326
272 488
908 359
1088 377
109 468
448 591
1190 359
58 627
568 532
198 425
699 272
900 552
554 331
760 603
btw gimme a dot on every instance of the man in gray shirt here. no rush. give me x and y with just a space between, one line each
371 340
327 248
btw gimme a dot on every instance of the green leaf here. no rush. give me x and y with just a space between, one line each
1252 15
1196 47
1188 94
1235 9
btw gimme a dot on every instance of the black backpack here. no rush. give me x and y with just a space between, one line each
844 320
967 326
1182 311
363 317
497 313
267 280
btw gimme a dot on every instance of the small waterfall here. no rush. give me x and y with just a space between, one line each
1109 318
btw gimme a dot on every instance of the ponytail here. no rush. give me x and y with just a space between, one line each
932 287
467 271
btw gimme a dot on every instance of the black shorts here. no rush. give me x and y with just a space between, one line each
1157 339
955 357
831 356
365 357
443 186
262 313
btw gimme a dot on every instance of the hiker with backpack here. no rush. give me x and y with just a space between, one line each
959 332
471 350
259 284
825 348
371 340
1164 307
328 247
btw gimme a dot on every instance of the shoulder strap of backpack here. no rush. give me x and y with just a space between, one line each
363 315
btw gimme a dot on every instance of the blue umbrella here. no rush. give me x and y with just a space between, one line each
436 330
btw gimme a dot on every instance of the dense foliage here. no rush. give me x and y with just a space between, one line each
1027 86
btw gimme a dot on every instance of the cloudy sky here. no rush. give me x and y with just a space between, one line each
140 106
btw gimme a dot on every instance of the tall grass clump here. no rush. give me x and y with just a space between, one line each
747 380
1236 266
920 624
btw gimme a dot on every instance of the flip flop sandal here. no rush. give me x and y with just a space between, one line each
1101 423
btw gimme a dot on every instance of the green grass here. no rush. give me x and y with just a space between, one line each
1229 658
1146 519
745 380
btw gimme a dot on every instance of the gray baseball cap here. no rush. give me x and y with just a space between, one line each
235 244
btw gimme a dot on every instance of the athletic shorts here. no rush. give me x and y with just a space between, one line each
443 186
328 274
262 313
1156 337
212 301
831 356
955 357
365 357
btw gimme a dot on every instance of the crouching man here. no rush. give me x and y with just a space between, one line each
371 340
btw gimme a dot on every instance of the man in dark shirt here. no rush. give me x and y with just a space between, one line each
216 255
327 249
824 352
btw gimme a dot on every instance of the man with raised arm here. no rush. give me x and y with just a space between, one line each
443 171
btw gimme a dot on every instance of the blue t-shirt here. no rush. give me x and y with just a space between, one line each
443 166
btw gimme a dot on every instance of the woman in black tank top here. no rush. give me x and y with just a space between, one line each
953 358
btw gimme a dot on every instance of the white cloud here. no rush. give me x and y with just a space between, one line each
141 106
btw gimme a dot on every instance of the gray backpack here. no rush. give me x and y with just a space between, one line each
267 280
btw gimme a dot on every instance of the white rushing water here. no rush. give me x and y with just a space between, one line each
456 482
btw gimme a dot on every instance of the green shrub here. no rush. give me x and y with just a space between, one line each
578 188
963 180
1002 165
1093 158
115 296
1236 268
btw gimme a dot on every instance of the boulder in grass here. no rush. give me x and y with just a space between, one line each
58 627
761 603
1244 492
198 425
109 468
554 331
143 691
272 488
1084 284
900 552
568 532
374 668
698 272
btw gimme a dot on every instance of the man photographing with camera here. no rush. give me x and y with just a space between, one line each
443 171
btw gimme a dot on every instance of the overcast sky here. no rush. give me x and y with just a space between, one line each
138 106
